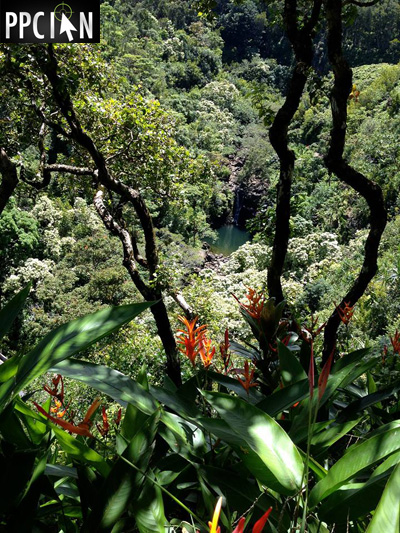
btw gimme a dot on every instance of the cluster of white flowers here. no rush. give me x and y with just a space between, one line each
35 270
222 93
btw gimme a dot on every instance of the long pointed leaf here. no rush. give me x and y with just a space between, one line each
264 436
387 515
10 311
357 459
66 341
119 387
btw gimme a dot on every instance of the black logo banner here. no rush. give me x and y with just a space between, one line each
46 21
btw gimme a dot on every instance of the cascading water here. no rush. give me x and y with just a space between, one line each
237 206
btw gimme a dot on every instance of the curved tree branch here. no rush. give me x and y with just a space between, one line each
361 4
302 43
150 291
336 164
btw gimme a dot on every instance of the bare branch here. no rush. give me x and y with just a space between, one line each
125 238
181 301
70 169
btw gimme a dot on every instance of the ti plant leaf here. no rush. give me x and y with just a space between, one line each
386 518
264 437
66 341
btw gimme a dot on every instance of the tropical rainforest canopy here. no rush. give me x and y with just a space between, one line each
149 366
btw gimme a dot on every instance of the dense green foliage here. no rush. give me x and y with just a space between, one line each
179 105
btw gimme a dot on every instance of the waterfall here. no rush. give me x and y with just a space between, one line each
238 204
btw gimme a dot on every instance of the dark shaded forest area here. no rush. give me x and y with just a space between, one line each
199 271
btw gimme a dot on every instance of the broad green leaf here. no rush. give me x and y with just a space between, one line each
349 360
371 383
33 421
133 420
392 461
241 493
264 436
366 401
318 469
182 436
9 368
340 379
119 387
250 459
291 369
79 451
61 471
10 311
181 405
357 459
323 440
353 501
148 510
124 484
285 398
242 351
66 341
386 518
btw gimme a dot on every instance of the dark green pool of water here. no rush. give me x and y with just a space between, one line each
230 238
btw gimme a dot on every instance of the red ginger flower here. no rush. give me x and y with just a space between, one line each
247 382
257 528
395 340
117 420
323 378
190 338
309 334
82 428
224 350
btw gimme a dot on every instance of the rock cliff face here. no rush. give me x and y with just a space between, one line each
247 195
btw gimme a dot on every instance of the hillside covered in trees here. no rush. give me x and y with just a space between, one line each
205 207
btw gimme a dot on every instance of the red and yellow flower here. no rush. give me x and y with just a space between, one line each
257 528
190 338
247 382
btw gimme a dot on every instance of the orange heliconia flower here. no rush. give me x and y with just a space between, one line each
105 428
206 351
309 334
247 382
54 392
190 338
255 303
82 428
345 312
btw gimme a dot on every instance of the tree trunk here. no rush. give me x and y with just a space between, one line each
336 164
